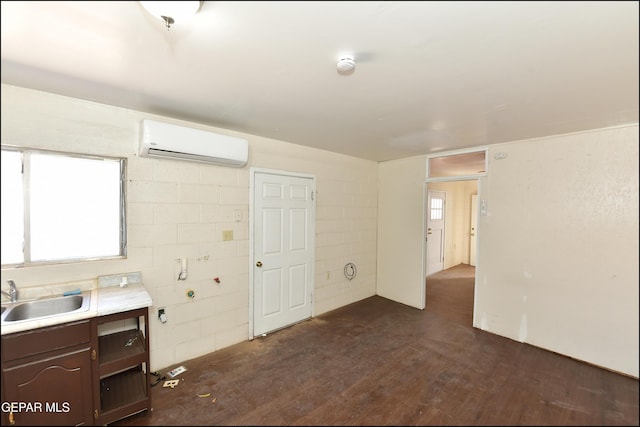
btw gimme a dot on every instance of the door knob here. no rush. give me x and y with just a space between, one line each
429 231
259 264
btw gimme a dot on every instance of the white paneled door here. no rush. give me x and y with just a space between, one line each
283 250
436 203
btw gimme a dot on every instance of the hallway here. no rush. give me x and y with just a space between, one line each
450 293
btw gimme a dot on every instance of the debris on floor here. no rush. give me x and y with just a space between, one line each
177 371
207 395
158 378
171 383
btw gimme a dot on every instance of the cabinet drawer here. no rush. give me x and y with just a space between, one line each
36 341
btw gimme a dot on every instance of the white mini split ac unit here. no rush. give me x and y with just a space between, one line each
167 141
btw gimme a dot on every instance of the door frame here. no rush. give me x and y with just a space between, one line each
469 177
424 233
312 244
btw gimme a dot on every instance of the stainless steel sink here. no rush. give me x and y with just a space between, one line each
46 307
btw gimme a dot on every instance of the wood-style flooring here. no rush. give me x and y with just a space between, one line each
378 362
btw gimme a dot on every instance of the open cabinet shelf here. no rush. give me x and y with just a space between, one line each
123 365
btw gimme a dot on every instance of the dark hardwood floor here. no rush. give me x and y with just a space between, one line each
377 362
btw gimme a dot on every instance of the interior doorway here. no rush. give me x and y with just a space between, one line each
457 222
455 243
457 175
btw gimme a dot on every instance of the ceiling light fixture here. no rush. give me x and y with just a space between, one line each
172 11
346 64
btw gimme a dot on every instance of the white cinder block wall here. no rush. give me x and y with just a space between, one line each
179 209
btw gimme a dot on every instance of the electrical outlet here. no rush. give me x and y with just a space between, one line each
161 315
227 235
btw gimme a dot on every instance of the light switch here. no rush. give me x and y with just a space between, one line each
227 235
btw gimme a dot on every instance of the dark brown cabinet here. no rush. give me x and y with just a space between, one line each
88 372
123 386
47 376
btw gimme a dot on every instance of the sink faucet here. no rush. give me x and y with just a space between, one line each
13 291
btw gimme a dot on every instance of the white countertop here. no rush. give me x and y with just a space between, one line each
103 301
115 299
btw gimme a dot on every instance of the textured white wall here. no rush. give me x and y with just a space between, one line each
558 264
179 209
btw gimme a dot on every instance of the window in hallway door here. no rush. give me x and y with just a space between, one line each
437 209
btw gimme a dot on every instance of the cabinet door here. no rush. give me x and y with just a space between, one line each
53 391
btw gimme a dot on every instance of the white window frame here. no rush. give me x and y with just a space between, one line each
27 262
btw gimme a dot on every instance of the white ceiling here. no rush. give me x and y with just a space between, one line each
430 76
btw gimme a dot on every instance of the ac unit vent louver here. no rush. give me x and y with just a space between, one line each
168 141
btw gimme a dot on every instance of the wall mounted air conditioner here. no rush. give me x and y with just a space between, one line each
168 141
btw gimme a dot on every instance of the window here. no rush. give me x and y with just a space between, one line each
61 207
468 163
437 209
